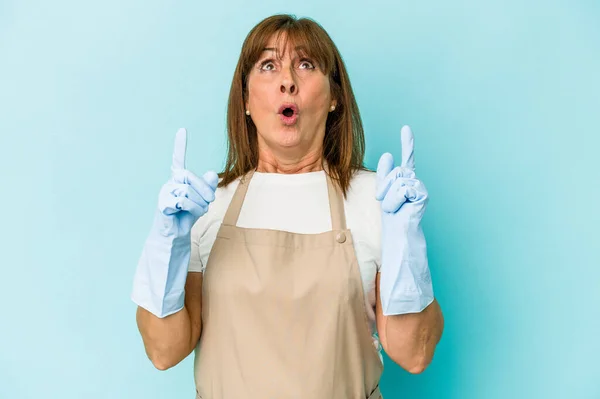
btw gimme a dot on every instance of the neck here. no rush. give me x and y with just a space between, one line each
269 162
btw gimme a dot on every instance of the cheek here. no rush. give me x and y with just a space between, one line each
320 93
260 95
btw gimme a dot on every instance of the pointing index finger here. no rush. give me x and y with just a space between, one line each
179 151
408 147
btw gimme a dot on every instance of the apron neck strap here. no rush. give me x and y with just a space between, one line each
233 212
336 205
336 202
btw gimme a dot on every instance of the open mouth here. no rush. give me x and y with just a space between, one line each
288 113
288 109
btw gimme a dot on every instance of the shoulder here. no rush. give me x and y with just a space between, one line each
364 178
362 189
362 208
363 216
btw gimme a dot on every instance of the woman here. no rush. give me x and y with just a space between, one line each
286 283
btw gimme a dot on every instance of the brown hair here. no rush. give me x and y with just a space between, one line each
344 142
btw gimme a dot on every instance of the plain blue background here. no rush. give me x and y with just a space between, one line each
503 98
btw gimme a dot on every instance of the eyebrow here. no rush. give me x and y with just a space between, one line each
274 49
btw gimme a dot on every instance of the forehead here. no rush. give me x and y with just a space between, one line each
284 45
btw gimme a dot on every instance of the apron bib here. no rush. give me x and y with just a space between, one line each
283 314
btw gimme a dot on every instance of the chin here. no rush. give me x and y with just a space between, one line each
288 138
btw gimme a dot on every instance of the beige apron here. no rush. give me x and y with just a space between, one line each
284 314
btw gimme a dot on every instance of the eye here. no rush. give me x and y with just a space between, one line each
265 63
306 61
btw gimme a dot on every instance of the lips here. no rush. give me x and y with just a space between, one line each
288 110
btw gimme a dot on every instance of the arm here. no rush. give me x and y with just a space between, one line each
171 339
409 319
410 339
167 292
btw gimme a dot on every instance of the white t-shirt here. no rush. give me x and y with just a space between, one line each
299 203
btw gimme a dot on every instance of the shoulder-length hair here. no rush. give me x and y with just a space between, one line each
344 142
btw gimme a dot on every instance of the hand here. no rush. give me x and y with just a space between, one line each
185 197
405 277
397 186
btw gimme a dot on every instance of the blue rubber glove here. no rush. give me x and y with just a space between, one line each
159 282
405 282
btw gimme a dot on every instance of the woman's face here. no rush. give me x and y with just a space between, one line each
274 83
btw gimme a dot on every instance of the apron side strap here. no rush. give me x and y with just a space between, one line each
376 394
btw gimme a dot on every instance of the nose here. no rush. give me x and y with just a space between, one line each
291 88
287 83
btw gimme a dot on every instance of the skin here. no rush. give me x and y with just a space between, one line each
409 340
272 82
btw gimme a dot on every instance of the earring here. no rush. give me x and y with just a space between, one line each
332 108
248 112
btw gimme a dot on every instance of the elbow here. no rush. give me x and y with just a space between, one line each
411 361
414 365
162 361
168 356
162 366
417 367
